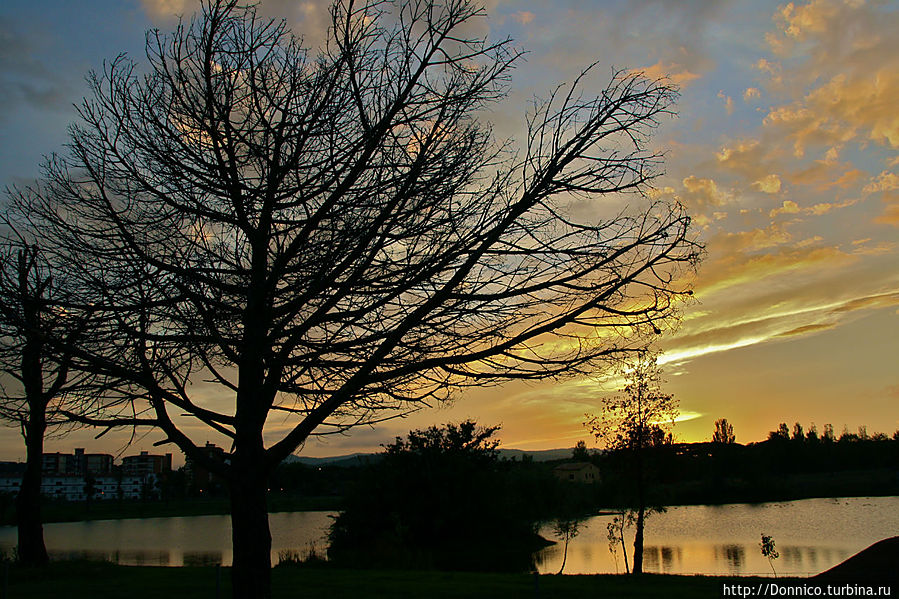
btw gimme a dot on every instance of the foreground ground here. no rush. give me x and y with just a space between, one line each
100 581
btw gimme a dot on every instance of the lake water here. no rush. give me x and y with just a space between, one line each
182 541
811 536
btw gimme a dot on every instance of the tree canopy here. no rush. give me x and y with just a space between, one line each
432 501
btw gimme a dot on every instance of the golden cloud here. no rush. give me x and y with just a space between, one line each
885 181
768 184
846 86
674 72
788 207
737 268
751 93
826 207
701 194
788 319
800 21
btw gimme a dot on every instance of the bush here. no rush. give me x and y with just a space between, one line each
438 499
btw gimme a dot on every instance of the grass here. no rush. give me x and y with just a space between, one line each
83 580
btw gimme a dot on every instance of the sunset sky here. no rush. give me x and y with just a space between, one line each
785 151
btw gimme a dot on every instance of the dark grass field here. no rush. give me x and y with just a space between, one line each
83 580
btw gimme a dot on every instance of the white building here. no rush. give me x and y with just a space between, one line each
74 487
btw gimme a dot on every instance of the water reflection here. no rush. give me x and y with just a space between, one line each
733 555
181 541
203 558
811 535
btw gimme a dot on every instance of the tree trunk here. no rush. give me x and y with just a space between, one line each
564 556
641 509
638 541
250 536
627 568
32 550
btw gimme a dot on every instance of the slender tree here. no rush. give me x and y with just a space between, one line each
615 534
724 432
636 423
333 239
769 551
566 529
35 382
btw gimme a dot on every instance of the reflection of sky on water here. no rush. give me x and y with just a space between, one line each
188 541
812 535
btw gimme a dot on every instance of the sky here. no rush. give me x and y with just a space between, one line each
785 151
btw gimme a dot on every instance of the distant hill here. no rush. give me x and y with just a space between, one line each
360 459
341 461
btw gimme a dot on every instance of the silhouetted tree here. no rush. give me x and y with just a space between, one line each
565 529
580 453
846 436
769 551
798 432
724 432
828 433
637 422
812 435
781 434
427 502
35 381
615 529
329 237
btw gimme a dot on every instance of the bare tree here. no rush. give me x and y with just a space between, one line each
724 432
636 423
566 529
335 239
35 382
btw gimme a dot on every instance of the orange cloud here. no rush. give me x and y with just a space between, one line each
675 72
701 194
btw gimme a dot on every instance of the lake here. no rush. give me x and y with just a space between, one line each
811 536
